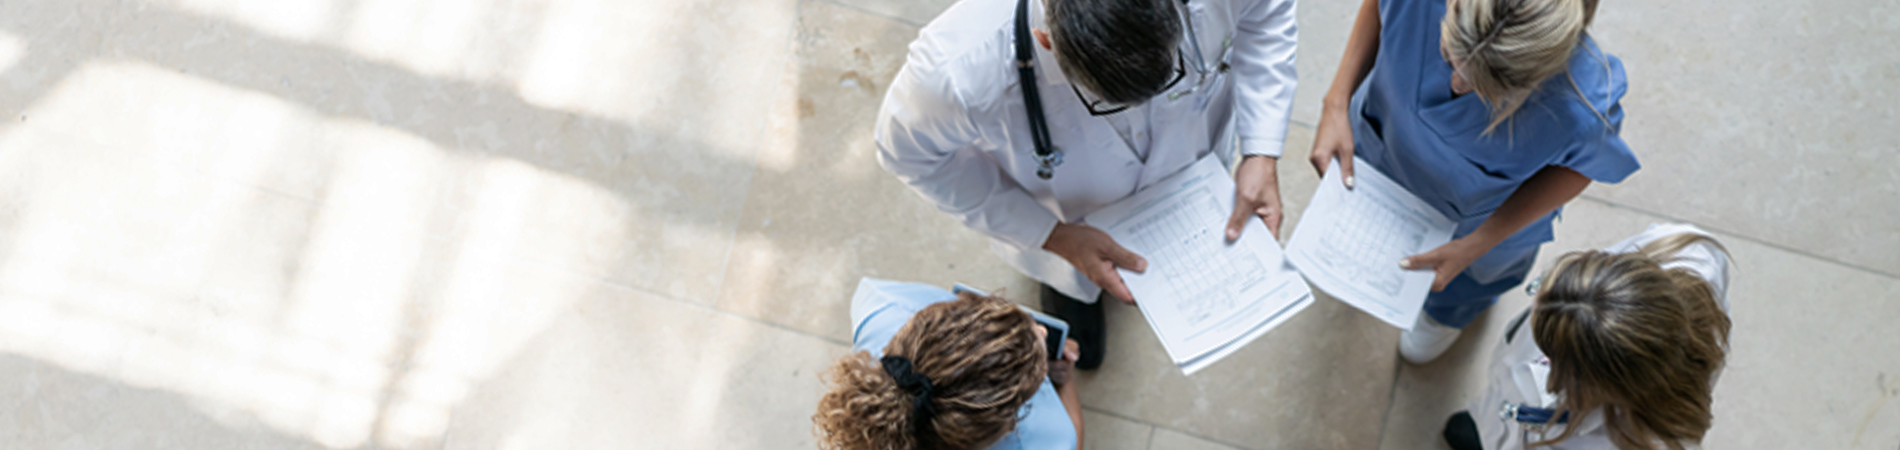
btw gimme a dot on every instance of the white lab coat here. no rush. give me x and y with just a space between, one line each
953 125
1519 370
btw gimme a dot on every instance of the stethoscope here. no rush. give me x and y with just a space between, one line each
1047 155
1532 418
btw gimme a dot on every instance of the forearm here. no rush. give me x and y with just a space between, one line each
1544 192
1265 74
1362 49
1072 401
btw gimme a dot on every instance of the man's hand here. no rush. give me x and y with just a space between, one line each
1332 140
1447 260
1256 193
1096 255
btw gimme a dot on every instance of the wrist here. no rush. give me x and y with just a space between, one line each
1051 242
1335 103
1481 240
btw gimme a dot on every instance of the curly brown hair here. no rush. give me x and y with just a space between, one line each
1639 341
983 360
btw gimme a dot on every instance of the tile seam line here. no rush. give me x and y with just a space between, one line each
1391 397
663 296
1153 425
880 15
570 271
716 310
758 146
1745 237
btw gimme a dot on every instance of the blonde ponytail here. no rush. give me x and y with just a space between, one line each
1506 48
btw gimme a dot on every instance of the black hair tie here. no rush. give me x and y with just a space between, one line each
914 383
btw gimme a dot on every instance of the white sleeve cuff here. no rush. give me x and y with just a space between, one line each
1261 147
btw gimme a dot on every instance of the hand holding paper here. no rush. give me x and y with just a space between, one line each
1096 255
1349 244
1205 296
1445 262
1256 193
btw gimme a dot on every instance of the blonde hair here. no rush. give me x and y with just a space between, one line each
983 361
1641 342
1506 48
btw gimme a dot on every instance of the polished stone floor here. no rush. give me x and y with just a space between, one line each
527 224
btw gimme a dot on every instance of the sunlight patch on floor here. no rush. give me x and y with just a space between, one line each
298 20
127 262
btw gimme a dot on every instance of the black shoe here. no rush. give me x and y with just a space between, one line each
1462 433
1085 324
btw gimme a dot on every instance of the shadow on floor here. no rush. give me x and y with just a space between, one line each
676 185
50 407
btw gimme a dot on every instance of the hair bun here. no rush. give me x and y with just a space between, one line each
914 383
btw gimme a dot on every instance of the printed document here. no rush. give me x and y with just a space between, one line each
1205 297
1349 243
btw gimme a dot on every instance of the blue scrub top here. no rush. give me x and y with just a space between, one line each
1407 123
880 308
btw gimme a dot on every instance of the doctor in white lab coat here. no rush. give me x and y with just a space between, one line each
955 127
1515 409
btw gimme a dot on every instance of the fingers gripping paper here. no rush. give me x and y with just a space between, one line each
1349 243
1204 297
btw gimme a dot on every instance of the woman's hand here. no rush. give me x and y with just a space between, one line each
1256 192
1061 368
1447 260
1333 139
1096 255
1544 192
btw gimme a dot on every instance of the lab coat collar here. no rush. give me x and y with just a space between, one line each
1050 72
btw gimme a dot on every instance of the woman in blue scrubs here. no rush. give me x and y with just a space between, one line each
935 369
1497 112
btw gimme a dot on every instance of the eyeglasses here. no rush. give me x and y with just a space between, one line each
1200 64
1096 106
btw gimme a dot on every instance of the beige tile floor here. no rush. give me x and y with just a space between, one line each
526 224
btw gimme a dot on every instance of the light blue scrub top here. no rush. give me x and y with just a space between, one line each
1406 122
881 307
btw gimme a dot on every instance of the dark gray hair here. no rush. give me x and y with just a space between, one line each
1120 50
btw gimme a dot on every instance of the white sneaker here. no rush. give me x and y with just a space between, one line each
1426 340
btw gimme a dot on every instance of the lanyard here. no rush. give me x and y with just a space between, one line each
1047 155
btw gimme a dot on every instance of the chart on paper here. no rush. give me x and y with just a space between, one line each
1185 246
1378 233
1205 297
1349 243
